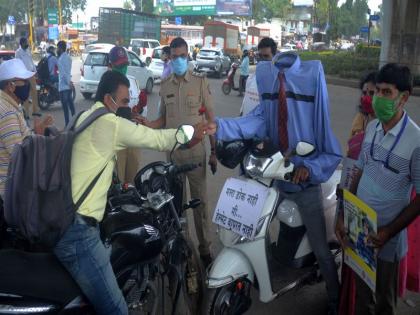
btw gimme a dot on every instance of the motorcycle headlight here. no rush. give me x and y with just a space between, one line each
255 166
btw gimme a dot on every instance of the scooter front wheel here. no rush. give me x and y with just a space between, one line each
226 88
233 298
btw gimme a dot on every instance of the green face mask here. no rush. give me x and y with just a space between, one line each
384 108
121 69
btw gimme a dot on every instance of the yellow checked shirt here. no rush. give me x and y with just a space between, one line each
97 146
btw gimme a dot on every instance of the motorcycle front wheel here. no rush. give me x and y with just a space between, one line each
226 88
43 100
231 299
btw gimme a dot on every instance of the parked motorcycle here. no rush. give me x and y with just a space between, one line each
143 227
229 83
48 93
253 260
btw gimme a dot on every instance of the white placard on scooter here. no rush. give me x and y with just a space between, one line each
239 206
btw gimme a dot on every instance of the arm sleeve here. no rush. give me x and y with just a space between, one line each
322 166
11 133
415 169
162 107
250 126
128 135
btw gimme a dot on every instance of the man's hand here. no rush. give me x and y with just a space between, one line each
39 126
213 163
200 130
381 238
301 175
211 129
340 231
138 119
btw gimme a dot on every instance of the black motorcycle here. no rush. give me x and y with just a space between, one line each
48 93
150 256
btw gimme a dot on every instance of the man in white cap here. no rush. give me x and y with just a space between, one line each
14 90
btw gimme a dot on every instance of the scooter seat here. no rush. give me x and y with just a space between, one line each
37 275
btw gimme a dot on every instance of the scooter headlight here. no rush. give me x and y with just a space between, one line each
255 166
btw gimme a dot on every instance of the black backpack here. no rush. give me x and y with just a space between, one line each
42 69
38 198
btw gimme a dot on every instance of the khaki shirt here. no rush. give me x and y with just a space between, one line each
182 98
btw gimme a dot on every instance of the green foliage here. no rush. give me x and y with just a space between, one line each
268 9
368 51
343 64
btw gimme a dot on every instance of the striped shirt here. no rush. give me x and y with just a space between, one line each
13 129
387 189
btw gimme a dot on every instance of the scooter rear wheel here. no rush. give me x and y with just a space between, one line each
226 88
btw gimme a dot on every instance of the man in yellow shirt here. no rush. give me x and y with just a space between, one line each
80 249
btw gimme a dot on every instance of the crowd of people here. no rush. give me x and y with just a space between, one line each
384 140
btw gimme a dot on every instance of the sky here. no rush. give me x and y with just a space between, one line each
92 8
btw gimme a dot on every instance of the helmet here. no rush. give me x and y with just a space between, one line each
51 49
231 153
118 56
245 52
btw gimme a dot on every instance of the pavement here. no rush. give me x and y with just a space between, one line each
343 106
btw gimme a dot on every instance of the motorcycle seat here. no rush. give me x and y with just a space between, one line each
37 275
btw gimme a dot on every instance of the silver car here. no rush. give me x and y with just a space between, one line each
212 60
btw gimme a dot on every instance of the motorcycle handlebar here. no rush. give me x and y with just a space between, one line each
185 168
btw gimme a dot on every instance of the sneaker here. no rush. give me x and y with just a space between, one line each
206 260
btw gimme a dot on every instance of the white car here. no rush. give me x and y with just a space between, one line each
288 47
89 48
156 65
97 63
144 48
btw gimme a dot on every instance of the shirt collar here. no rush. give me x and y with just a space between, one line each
394 130
186 77
9 99
288 61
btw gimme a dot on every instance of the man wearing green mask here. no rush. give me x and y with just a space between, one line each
387 170
128 160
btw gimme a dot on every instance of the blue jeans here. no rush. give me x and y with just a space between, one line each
83 254
67 103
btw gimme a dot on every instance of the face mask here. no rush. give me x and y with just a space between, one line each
180 66
384 108
121 69
124 112
366 104
22 92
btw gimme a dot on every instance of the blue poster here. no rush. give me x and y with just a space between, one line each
53 32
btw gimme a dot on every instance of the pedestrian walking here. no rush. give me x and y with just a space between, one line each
185 97
24 53
244 71
64 81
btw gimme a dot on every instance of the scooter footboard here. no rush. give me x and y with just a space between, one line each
229 265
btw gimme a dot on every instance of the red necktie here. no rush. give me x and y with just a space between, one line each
282 122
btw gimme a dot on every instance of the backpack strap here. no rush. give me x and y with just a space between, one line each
90 119
88 189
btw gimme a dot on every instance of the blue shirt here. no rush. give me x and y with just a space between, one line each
387 190
308 116
64 72
245 66
52 63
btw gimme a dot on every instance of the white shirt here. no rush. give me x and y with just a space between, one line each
134 94
251 98
26 56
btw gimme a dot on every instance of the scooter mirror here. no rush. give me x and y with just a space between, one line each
184 134
304 149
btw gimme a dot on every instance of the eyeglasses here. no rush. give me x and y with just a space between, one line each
371 93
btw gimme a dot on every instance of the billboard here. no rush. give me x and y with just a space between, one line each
234 7
202 7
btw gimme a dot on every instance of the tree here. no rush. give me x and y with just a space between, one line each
146 4
67 8
128 5
265 10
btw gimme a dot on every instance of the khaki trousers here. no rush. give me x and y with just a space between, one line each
128 163
384 300
34 97
198 190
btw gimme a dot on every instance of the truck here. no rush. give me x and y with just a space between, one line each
222 35
118 26
255 34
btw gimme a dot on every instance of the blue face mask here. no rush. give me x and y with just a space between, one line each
180 65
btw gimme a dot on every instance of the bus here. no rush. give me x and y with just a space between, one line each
192 34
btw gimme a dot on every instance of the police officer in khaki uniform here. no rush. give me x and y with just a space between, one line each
185 98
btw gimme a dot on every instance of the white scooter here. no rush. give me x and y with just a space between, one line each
249 258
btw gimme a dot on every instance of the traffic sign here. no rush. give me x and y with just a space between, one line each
364 29
374 17
178 20
52 16
11 20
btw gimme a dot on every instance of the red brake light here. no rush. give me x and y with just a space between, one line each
38 81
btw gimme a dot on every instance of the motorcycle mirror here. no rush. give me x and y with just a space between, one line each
304 149
184 134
